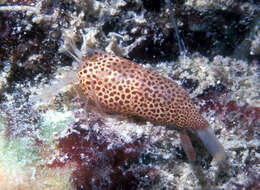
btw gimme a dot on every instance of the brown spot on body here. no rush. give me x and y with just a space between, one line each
130 89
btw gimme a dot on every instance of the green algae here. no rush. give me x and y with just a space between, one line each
22 151
3 123
17 152
54 125
22 162
22 159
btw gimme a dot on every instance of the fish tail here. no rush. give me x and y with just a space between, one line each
212 144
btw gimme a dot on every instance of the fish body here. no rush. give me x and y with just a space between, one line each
121 86
124 87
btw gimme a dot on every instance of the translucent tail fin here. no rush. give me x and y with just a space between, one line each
211 143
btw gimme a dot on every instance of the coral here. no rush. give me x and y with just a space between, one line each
4 74
255 43
255 46
19 2
241 79
204 5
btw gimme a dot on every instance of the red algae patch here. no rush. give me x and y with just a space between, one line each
101 165
233 115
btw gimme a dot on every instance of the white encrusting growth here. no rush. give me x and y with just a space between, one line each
20 8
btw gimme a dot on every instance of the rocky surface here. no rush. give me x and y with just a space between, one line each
50 138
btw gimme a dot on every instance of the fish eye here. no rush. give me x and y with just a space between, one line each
90 53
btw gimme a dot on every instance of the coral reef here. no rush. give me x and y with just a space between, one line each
255 43
205 5
51 139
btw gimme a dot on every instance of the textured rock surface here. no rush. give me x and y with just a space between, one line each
49 137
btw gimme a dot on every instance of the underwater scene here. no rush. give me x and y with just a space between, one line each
129 95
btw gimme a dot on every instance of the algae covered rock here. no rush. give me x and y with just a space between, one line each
50 138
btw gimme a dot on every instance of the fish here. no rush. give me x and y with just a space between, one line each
121 86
